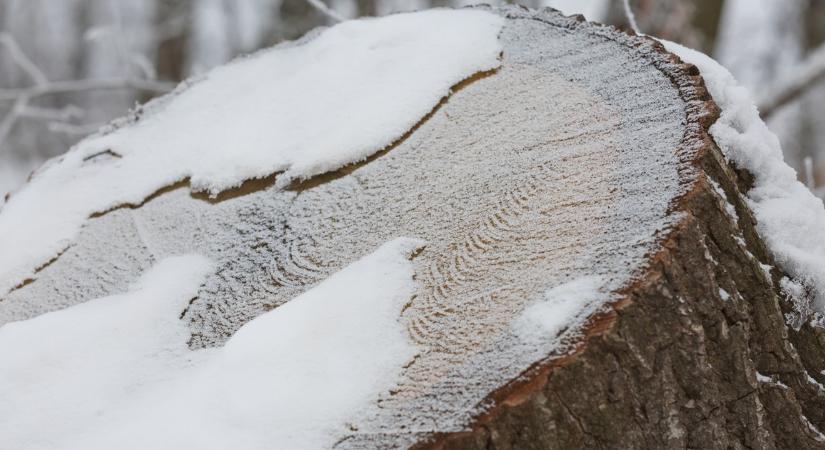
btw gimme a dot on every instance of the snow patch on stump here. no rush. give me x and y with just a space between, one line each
117 373
301 110
564 306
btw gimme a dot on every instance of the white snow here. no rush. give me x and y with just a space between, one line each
813 381
763 378
723 294
790 219
721 193
12 175
770 380
563 307
301 110
792 287
817 434
62 372
116 372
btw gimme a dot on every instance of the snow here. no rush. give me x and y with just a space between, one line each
562 307
800 298
723 294
12 175
61 370
279 110
770 380
761 42
813 381
90 375
721 193
790 219
817 434
792 288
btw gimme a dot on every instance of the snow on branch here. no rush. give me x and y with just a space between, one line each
811 71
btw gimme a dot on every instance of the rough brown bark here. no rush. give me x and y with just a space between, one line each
675 364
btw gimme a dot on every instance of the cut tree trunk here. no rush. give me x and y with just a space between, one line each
586 154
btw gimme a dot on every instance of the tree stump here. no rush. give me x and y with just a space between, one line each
586 154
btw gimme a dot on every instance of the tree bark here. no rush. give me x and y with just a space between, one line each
676 363
697 354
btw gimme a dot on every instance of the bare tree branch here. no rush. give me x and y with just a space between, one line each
325 10
42 86
809 72
631 18
144 65
76 130
11 117
22 60
63 114
62 87
809 173
23 96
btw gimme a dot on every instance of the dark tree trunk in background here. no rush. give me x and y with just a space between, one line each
693 24
171 44
813 137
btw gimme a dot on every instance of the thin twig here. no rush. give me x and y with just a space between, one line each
325 10
631 18
808 162
42 86
11 117
75 130
145 66
22 60
63 87
63 114
807 74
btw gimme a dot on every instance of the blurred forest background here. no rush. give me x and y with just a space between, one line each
69 66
